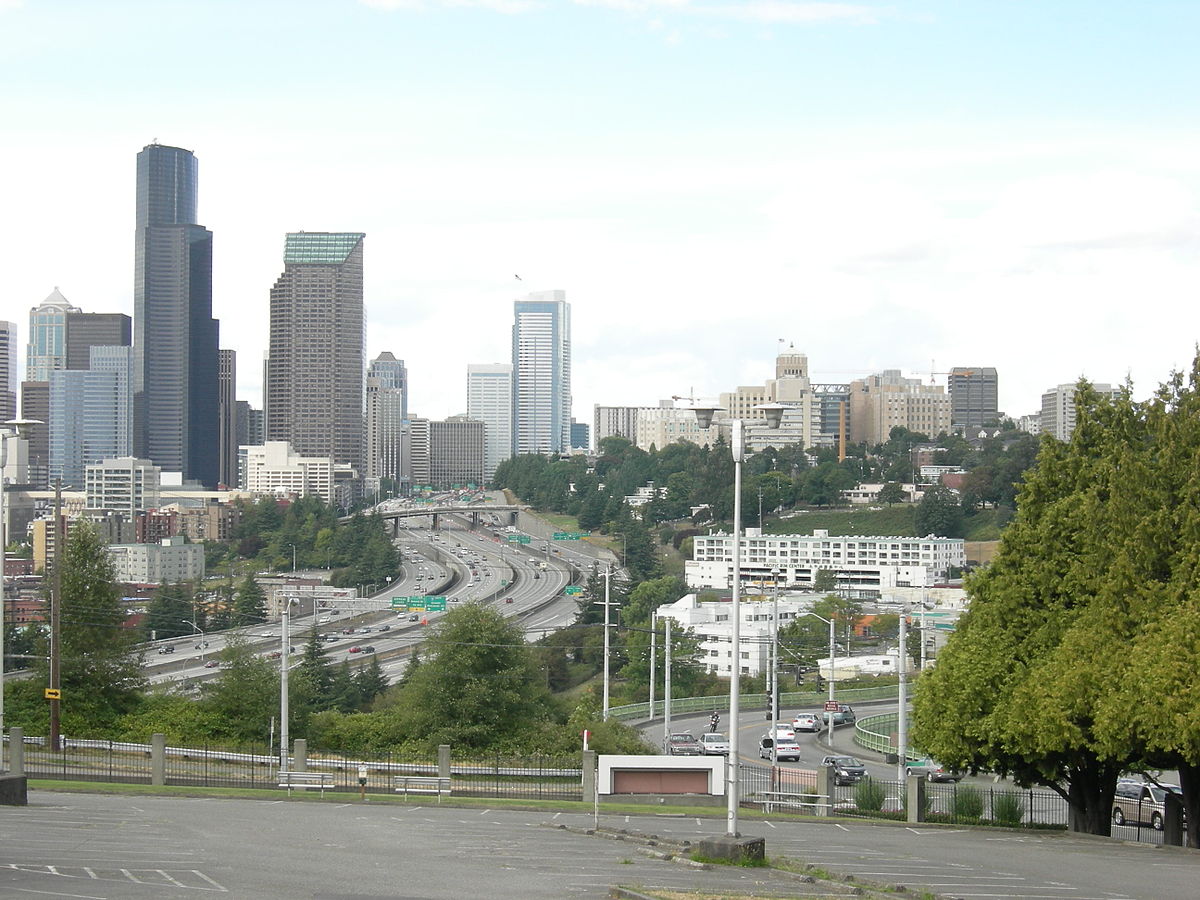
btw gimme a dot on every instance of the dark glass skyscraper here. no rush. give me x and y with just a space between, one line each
175 335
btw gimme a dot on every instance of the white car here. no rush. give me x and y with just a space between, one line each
779 746
714 744
807 722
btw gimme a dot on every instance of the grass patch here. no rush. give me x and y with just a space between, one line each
743 863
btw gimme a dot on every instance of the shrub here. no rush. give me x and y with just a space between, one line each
1006 809
968 802
869 795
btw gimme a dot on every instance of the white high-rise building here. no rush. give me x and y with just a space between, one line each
541 359
1058 408
490 401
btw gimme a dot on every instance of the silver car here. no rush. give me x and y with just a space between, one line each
714 744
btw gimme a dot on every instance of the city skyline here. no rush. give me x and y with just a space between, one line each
915 185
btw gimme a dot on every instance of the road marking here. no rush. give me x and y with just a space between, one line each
59 894
485 812
768 824
843 827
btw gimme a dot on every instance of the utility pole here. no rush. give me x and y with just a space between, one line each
902 701
285 637
667 687
56 621
607 576
653 654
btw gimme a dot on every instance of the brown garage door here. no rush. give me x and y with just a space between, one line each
660 781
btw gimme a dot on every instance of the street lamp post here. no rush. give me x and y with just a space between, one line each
704 417
203 638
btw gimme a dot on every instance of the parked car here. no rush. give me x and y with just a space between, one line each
779 745
807 722
843 716
684 744
846 769
714 744
931 770
1140 803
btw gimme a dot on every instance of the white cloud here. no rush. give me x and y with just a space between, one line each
508 7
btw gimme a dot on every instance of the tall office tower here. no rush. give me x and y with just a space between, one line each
541 359
88 330
881 402
8 370
314 384
581 434
35 406
175 335
615 420
249 425
417 464
91 413
47 350
227 417
456 452
1058 408
974 398
831 414
490 401
387 409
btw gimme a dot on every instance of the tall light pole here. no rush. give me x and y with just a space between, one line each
11 428
203 638
607 576
704 417
831 705
285 636
902 701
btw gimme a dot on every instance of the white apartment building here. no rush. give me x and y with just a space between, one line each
273 468
490 401
171 561
126 485
1058 409
864 566
658 426
884 401
710 622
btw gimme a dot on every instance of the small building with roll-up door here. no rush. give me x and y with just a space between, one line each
661 775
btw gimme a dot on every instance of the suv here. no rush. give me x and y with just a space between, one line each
1138 803
844 715
846 769
683 744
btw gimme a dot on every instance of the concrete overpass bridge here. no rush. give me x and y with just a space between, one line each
506 513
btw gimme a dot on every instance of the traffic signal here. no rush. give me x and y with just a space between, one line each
770 704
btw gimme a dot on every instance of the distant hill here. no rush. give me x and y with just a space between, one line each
897 521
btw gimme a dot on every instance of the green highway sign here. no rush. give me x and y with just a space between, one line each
416 604
568 535
519 539
573 589
398 602
435 604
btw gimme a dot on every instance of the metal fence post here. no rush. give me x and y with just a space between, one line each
158 759
443 761
300 755
16 751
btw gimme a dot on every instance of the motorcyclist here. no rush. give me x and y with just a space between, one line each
714 722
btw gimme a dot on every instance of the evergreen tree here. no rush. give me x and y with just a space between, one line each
370 681
249 604
169 613
100 673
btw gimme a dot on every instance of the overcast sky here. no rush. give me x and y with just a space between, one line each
913 184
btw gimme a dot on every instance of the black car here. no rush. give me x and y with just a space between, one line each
846 769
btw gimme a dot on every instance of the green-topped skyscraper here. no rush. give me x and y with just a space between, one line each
313 395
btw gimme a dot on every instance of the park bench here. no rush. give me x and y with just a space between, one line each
292 780
422 784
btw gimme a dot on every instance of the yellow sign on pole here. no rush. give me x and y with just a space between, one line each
53 694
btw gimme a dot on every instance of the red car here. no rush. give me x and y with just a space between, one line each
355 649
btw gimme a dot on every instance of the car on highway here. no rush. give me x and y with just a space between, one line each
846 769
843 716
779 744
714 744
211 664
385 627
167 649
1140 803
807 722
413 617
683 743
366 649
355 649
931 770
